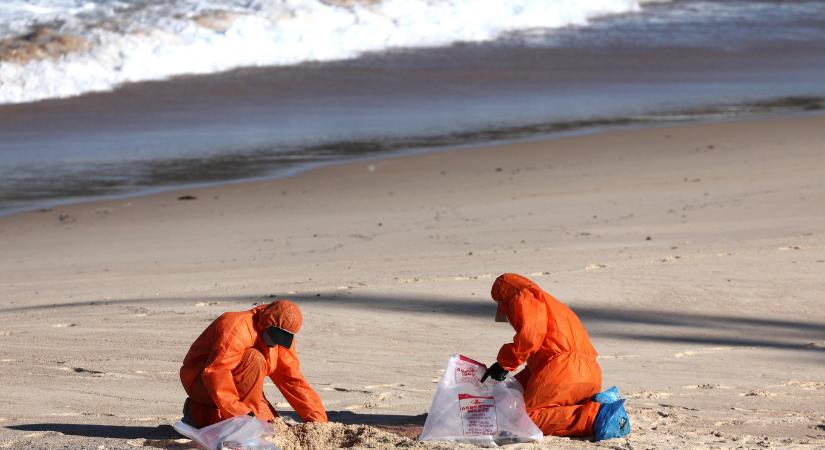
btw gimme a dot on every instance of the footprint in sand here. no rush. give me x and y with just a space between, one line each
408 280
757 393
471 277
376 400
391 385
649 394
370 403
138 311
709 386
646 418
706 386
81 370
538 274
617 356
702 351
461 277
341 389
729 423
804 385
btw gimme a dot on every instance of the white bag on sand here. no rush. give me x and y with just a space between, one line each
237 433
465 410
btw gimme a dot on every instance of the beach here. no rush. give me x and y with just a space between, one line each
656 165
693 253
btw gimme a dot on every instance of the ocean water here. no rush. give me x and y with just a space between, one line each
111 98
59 48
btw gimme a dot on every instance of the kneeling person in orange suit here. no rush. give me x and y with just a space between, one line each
562 378
223 373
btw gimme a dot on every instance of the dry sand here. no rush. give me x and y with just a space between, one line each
694 254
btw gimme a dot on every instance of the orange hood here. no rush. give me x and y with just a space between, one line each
280 313
507 286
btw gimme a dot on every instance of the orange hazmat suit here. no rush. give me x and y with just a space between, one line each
224 370
561 374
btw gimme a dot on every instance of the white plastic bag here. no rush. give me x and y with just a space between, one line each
237 433
465 410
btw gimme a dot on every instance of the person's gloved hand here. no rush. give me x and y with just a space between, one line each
495 372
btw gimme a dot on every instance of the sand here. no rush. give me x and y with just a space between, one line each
694 254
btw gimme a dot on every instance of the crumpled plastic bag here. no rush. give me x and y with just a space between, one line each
237 433
488 414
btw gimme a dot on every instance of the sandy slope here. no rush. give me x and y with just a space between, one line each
694 254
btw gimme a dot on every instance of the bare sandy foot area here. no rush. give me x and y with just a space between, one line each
694 254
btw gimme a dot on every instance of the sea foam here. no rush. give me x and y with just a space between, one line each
62 48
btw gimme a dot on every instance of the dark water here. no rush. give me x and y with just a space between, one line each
687 60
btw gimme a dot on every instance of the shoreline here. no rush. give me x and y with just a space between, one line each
254 122
387 148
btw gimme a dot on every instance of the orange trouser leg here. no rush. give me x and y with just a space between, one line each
573 420
557 395
248 376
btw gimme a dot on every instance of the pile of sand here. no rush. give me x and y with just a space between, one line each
312 436
322 436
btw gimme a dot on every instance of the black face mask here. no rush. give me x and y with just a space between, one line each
273 336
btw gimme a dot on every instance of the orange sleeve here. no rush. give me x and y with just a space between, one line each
528 316
217 375
295 389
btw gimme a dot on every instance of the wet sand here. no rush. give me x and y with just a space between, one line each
694 255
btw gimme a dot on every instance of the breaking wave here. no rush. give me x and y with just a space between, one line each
62 48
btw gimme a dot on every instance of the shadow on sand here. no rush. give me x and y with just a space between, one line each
103 431
631 324
161 436
164 436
